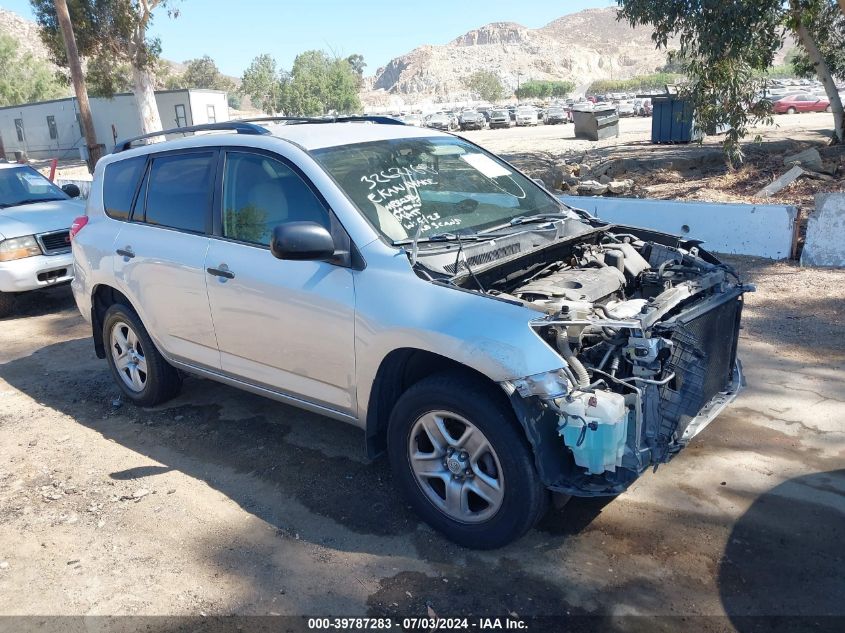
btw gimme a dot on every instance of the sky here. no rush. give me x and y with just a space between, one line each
233 32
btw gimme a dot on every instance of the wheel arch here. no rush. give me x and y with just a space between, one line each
400 369
103 297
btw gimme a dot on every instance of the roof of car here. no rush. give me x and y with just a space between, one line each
309 136
4 165
319 135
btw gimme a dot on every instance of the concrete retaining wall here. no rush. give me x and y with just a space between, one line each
825 243
764 230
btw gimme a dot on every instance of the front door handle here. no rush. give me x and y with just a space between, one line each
125 252
220 272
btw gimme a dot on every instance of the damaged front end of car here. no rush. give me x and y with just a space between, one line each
646 325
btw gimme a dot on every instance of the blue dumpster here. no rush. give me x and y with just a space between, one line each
672 121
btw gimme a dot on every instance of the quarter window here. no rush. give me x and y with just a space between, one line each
181 119
51 126
260 193
179 191
120 181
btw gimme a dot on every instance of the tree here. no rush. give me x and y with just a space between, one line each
642 82
828 28
728 46
112 32
316 84
24 79
536 89
319 84
486 85
261 83
358 65
106 79
78 80
203 73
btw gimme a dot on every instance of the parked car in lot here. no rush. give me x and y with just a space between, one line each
800 102
412 119
625 108
526 115
643 107
495 343
440 121
35 220
555 115
500 118
471 120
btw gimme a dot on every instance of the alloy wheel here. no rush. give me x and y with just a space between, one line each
128 356
456 467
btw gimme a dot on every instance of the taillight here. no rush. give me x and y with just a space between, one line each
78 224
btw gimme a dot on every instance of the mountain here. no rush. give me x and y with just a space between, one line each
25 33
580 47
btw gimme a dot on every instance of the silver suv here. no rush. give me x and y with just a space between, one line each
496 343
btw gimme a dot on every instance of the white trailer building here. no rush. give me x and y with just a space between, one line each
52 129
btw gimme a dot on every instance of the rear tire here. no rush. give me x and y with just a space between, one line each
791 110
463 463
7 304
138 368
828 109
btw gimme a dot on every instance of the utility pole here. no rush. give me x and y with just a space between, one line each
94 149
517 85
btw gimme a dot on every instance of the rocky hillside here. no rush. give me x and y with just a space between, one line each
580 47
25 32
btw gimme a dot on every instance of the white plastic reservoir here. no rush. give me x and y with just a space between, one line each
601 446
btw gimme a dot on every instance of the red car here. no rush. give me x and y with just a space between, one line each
800 102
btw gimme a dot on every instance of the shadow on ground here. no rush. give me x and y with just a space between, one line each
785 558
41 302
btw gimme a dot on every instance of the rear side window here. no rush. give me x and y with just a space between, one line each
120 182
179 191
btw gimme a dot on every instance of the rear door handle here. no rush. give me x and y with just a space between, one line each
219 272
125 252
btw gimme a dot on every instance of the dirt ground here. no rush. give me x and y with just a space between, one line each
222 502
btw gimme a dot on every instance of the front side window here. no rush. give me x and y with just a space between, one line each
434 185
120 180
24 185
212 116
19 129
260 193
181 119
51 126
179 191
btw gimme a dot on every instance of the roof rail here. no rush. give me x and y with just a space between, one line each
241 127
383 120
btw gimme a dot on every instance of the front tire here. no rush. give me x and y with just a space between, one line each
828 109
461 460
138 368
791 110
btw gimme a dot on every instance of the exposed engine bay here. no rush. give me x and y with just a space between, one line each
646 325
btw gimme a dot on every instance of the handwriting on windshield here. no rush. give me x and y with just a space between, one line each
397 189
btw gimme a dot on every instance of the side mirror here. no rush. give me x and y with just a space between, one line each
71 189
302 241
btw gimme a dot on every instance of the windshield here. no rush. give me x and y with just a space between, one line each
24 185
436 185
